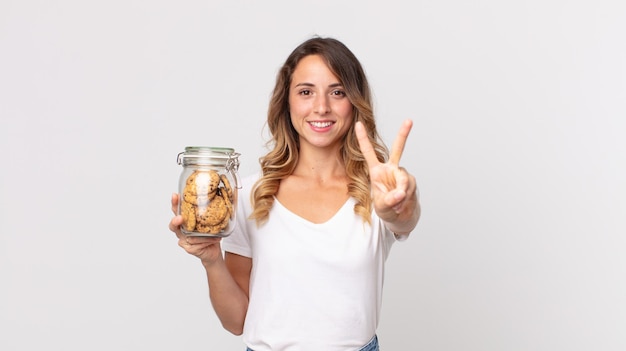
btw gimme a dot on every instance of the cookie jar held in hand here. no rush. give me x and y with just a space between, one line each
208 190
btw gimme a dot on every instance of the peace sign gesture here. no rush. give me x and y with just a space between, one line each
394 190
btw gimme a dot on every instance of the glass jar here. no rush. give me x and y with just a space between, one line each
207 188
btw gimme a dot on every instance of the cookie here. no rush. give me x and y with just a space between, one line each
229 204
213 229
202 182
213 213
198 200
201 186
188 212
226 186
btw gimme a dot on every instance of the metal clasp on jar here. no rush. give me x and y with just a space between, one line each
232 166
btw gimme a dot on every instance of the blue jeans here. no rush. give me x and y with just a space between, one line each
371 346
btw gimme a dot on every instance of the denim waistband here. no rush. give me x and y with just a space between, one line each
372 345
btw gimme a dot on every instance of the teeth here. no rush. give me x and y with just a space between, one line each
321 124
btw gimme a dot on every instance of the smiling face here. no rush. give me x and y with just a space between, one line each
320 111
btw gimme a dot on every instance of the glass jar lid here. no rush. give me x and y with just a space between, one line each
209 156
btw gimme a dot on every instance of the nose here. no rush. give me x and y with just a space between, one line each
322 104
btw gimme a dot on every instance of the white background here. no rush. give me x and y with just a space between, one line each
518 149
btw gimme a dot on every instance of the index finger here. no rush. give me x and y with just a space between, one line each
365 145
398 145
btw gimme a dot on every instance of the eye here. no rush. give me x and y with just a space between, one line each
339 93
305 92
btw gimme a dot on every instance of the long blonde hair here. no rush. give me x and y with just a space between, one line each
282 158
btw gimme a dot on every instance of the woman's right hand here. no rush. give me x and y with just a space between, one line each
207 249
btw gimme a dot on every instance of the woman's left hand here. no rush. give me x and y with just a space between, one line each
394 190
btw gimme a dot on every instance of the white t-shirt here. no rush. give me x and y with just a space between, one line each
312 286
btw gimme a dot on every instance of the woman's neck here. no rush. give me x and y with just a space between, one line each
321 164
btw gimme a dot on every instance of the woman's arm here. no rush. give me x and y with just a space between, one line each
394 190
229 288
228 276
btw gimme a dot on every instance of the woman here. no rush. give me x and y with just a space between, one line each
304 268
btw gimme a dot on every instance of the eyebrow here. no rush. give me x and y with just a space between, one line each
334 85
